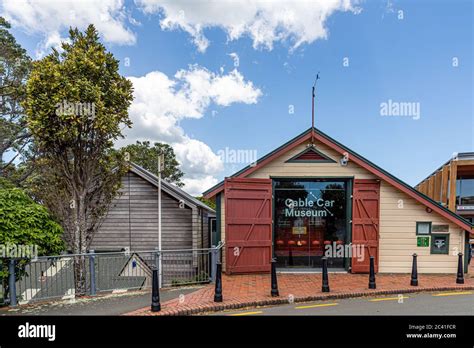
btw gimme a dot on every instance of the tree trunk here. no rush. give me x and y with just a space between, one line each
80 275
80 246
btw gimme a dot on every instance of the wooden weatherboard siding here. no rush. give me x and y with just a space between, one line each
397 239
132 220
398 235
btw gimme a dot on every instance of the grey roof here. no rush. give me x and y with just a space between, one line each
465 156
170 189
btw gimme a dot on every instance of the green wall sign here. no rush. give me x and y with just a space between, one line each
423 241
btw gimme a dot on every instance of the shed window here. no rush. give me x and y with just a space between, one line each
423 228
440 244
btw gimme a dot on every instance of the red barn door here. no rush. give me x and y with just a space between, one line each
248 225
365 223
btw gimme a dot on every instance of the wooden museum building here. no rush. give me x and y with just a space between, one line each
314 197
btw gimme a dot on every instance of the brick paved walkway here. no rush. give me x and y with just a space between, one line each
241 291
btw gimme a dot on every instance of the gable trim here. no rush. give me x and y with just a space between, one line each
324 159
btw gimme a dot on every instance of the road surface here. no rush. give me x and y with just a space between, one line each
436 303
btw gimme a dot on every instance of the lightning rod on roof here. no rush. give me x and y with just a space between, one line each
312 102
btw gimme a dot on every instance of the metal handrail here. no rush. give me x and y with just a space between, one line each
219 246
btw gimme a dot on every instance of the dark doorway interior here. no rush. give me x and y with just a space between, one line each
310 222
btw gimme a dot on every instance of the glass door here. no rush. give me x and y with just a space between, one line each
309 220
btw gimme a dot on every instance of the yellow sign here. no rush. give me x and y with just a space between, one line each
299 230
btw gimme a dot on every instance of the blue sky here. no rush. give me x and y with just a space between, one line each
407 56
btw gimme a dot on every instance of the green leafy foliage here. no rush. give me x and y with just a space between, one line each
15 65
25 222
146 156
208 202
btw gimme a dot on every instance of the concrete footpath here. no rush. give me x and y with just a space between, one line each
110 304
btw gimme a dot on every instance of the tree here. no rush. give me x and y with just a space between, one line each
143 154
76 106
25 223
15 66
207 202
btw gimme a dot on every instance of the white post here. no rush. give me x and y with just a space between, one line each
160 272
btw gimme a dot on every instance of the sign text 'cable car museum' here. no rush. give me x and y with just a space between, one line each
314 197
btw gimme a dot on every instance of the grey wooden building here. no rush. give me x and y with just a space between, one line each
132 220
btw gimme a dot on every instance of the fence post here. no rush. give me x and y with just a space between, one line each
214 252
12 283
274 291
460 276
414 272
155 293
92 272
372 284
325 286
218 288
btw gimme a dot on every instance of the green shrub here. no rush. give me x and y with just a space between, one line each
25 222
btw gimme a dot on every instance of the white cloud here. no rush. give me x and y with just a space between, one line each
265 22
51 18
195 187
161 102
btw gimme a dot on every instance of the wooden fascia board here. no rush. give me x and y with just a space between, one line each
431 187
444 184
437 187
452 185
461 163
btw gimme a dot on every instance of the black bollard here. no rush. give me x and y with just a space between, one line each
414 272
325 287
155 293
274 291
218 289
372 284
290 258
460 277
